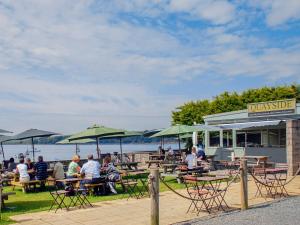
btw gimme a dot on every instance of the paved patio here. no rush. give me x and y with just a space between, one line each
135 212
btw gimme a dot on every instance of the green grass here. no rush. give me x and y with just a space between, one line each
41 201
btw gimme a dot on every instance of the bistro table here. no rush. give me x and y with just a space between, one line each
206 189
74 194
142 176
279 176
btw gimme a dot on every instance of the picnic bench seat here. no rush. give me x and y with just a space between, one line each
178 176
26 185
5 197
6 181
90 187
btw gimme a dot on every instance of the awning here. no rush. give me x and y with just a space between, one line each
240 126
204 127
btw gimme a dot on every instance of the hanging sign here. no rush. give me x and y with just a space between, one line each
272 108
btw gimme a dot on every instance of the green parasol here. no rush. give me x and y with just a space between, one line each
3 139
96 131
176 130
121 136
4 131
76 142
31 134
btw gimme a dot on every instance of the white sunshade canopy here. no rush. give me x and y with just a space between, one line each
240 126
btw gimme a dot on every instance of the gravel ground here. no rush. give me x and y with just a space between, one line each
283 212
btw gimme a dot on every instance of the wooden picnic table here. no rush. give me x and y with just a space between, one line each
155 162
129 165
156 157
70 181
170 166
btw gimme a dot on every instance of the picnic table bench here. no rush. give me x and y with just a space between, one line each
129 165
26 185
90 187
4 196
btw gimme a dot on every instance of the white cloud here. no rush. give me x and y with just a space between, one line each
279 11
67 64
217 12
111 104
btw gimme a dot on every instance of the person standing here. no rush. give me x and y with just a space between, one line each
201 154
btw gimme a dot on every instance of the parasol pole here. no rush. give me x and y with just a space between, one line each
98 150
76 149
121 150
179 143
32 149
2 151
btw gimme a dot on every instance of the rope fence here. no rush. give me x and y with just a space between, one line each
275 186
203 199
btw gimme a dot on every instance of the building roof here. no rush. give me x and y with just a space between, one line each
241 116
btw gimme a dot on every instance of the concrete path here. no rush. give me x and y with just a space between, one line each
283 212
135 212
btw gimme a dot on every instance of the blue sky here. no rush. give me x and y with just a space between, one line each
67 64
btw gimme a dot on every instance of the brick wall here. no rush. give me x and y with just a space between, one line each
293 145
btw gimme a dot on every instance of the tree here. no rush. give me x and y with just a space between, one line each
194 111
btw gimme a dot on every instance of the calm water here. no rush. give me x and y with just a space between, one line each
65 152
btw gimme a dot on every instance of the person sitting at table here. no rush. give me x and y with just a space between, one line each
201 154
116 158
59 173
41 173
91 173
191 159
11 165
22 170
112 174
30 166
169 154
73 168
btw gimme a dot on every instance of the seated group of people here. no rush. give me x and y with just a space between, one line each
27 171
195 155
191 158
90 171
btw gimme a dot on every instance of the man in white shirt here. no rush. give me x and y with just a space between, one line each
191 159
91 172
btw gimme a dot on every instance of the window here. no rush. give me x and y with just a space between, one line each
227 139
214 139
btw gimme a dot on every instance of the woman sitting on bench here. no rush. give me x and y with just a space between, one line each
23 171
112 174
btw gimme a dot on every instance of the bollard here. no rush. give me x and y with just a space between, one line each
154 195
244 184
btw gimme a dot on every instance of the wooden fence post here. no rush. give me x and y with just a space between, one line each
244 184
154 195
